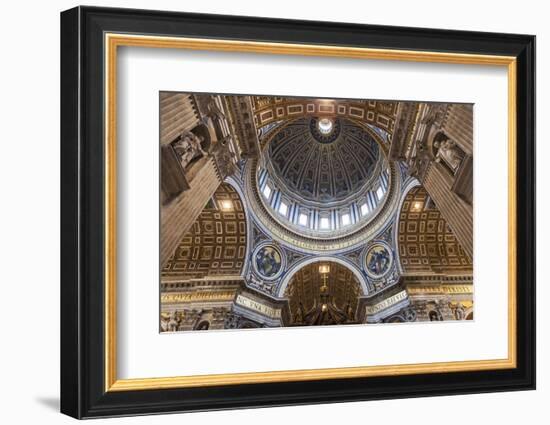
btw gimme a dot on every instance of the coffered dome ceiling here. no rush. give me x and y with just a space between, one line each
323 160
321 176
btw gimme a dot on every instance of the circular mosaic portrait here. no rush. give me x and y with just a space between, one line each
268 261
378 260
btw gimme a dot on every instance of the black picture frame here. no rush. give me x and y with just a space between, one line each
83 392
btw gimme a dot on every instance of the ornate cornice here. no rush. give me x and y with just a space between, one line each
440 289
313 245
269 109
196 296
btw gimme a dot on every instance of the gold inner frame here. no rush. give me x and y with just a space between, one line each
113 41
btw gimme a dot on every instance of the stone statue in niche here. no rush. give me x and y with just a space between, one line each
188 147
173 322
164 320
458 311
435 315
449 152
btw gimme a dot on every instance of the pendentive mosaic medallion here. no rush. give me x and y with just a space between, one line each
268 261
378 260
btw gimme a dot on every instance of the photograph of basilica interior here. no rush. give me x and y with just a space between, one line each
288 211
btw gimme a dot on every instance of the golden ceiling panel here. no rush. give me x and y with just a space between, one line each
426 243
269 109
216 243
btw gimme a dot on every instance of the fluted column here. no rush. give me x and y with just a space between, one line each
177 115
458 125
178 215
458 214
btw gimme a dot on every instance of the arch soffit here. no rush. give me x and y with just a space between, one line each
318 259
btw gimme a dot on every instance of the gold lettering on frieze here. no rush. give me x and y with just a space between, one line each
440 289
388 302
183 297
266 310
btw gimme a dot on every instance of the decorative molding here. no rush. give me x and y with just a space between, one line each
185 297
311 245
440 289
386 303
269 109
257 306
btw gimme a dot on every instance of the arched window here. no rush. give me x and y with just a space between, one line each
345 217
324 222
303 218
267 191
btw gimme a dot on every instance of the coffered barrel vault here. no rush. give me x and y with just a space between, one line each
216 243
425 242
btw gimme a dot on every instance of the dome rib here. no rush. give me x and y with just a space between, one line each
322 171
323 185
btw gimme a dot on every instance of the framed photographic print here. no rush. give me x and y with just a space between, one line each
261 212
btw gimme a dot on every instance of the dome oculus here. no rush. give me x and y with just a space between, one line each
325 130
325 125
